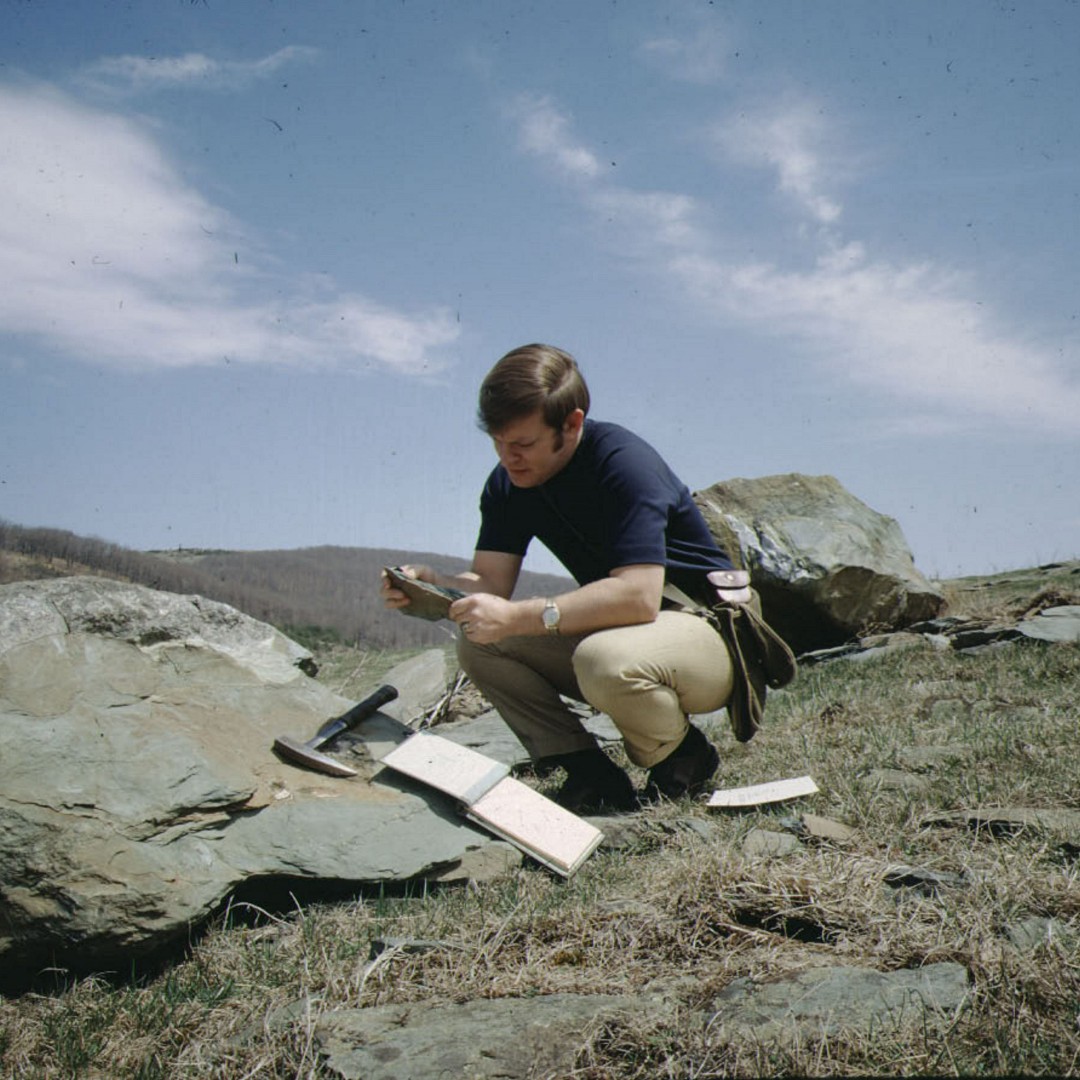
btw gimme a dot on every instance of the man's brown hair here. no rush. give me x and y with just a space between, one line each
529 378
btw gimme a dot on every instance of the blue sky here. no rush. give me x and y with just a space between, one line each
256 257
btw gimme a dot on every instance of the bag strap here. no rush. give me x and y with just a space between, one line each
774 654
677 596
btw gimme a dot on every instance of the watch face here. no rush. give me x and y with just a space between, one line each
551 616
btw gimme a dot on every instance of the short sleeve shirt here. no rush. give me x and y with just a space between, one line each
616 503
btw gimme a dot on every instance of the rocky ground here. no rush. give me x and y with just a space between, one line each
918 914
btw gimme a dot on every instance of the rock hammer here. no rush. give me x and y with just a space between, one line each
309 753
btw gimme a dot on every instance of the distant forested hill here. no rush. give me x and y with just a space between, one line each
333 589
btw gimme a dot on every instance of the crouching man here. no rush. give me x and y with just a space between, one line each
610 509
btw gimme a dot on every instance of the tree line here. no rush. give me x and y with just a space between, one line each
330 592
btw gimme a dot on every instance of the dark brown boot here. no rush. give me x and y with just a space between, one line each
593 783
684 772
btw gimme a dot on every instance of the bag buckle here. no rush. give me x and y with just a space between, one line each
732 586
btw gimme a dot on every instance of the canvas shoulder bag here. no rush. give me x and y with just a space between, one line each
760 658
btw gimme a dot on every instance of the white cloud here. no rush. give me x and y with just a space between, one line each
139 73
911 332
650 218
109 255
356 326
698 56
789 139
545 133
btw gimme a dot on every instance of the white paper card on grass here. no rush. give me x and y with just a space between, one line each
551 834
452 768
758 794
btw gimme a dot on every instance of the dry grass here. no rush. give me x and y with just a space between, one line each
1014 594
683 911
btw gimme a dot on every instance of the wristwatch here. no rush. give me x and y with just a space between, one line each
551 617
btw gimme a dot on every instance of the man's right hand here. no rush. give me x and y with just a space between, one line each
395 598
492 572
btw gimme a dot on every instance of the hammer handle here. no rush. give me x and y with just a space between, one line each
361 711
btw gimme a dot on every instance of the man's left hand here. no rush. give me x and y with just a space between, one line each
484 618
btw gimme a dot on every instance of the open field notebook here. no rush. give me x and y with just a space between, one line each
496 801
543 829
452 768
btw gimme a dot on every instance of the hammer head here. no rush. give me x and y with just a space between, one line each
302 754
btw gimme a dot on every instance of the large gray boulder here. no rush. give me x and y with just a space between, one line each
827 566
138 788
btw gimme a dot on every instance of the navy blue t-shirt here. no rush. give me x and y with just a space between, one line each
616 503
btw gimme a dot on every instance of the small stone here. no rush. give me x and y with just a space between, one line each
1039 930
896 780
922 880
822 828
762 842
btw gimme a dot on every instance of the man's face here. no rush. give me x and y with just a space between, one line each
531 452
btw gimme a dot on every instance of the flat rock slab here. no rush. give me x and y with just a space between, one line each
1007 820
1053 624
506 1038
825 1002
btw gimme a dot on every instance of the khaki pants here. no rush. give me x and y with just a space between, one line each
646 677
